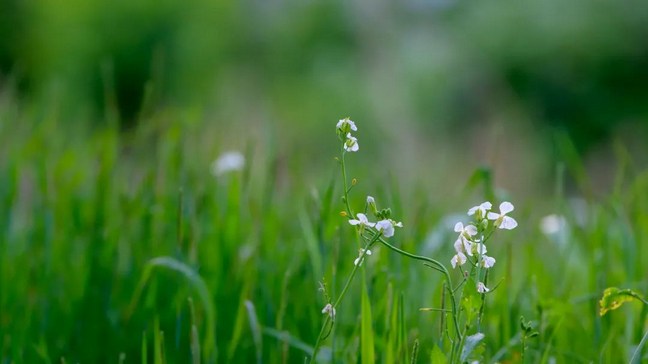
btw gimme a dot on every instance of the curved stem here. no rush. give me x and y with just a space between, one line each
444 271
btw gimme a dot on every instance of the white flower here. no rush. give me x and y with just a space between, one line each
360 257
458 259
501 220
351 143
329 310
488 262
462 245
386 227
227 162
346 124
370 200
467 231
482 209
362 220
479 248
481 288
552 224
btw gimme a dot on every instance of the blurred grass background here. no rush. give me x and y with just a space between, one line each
112 112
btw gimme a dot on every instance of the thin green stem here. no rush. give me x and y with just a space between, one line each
320 337
344 181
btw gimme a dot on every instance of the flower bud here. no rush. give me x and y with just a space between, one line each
343 213
372 205
354 182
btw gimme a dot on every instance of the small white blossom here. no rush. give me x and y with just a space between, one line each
351 143
481 288
481 209
346 123
362 220
552 224
228 162
488 262
387 227
462 245
329 310
466 231
479 248
501 220
370 200
360 257
458 259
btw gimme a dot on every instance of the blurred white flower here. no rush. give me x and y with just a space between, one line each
228 162
463 245
370 200
552 224
387 227
345 125
329 310
351 143
501 220
479 248
480 210
360 258
362 220
488 262
458 259
481 288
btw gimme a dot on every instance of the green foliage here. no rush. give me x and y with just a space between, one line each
614 297
100 252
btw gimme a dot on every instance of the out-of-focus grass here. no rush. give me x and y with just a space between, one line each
116 245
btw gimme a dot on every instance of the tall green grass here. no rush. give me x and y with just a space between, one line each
124 248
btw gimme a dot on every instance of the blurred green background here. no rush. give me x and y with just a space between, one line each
109 108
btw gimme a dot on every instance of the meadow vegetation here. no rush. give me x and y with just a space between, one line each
135 248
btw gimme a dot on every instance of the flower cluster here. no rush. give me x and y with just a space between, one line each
384 226
470 242
344 128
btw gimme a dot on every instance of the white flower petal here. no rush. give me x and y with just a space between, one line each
386 227
471 230
458 227
488 262
354 222
506 207
473 210
493 216
479 248
370 200
458 259
486 205
508 223
481 288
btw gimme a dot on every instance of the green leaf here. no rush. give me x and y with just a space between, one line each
366 330
614 297
471 343
437 356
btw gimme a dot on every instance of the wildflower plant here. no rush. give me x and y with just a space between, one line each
463 334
